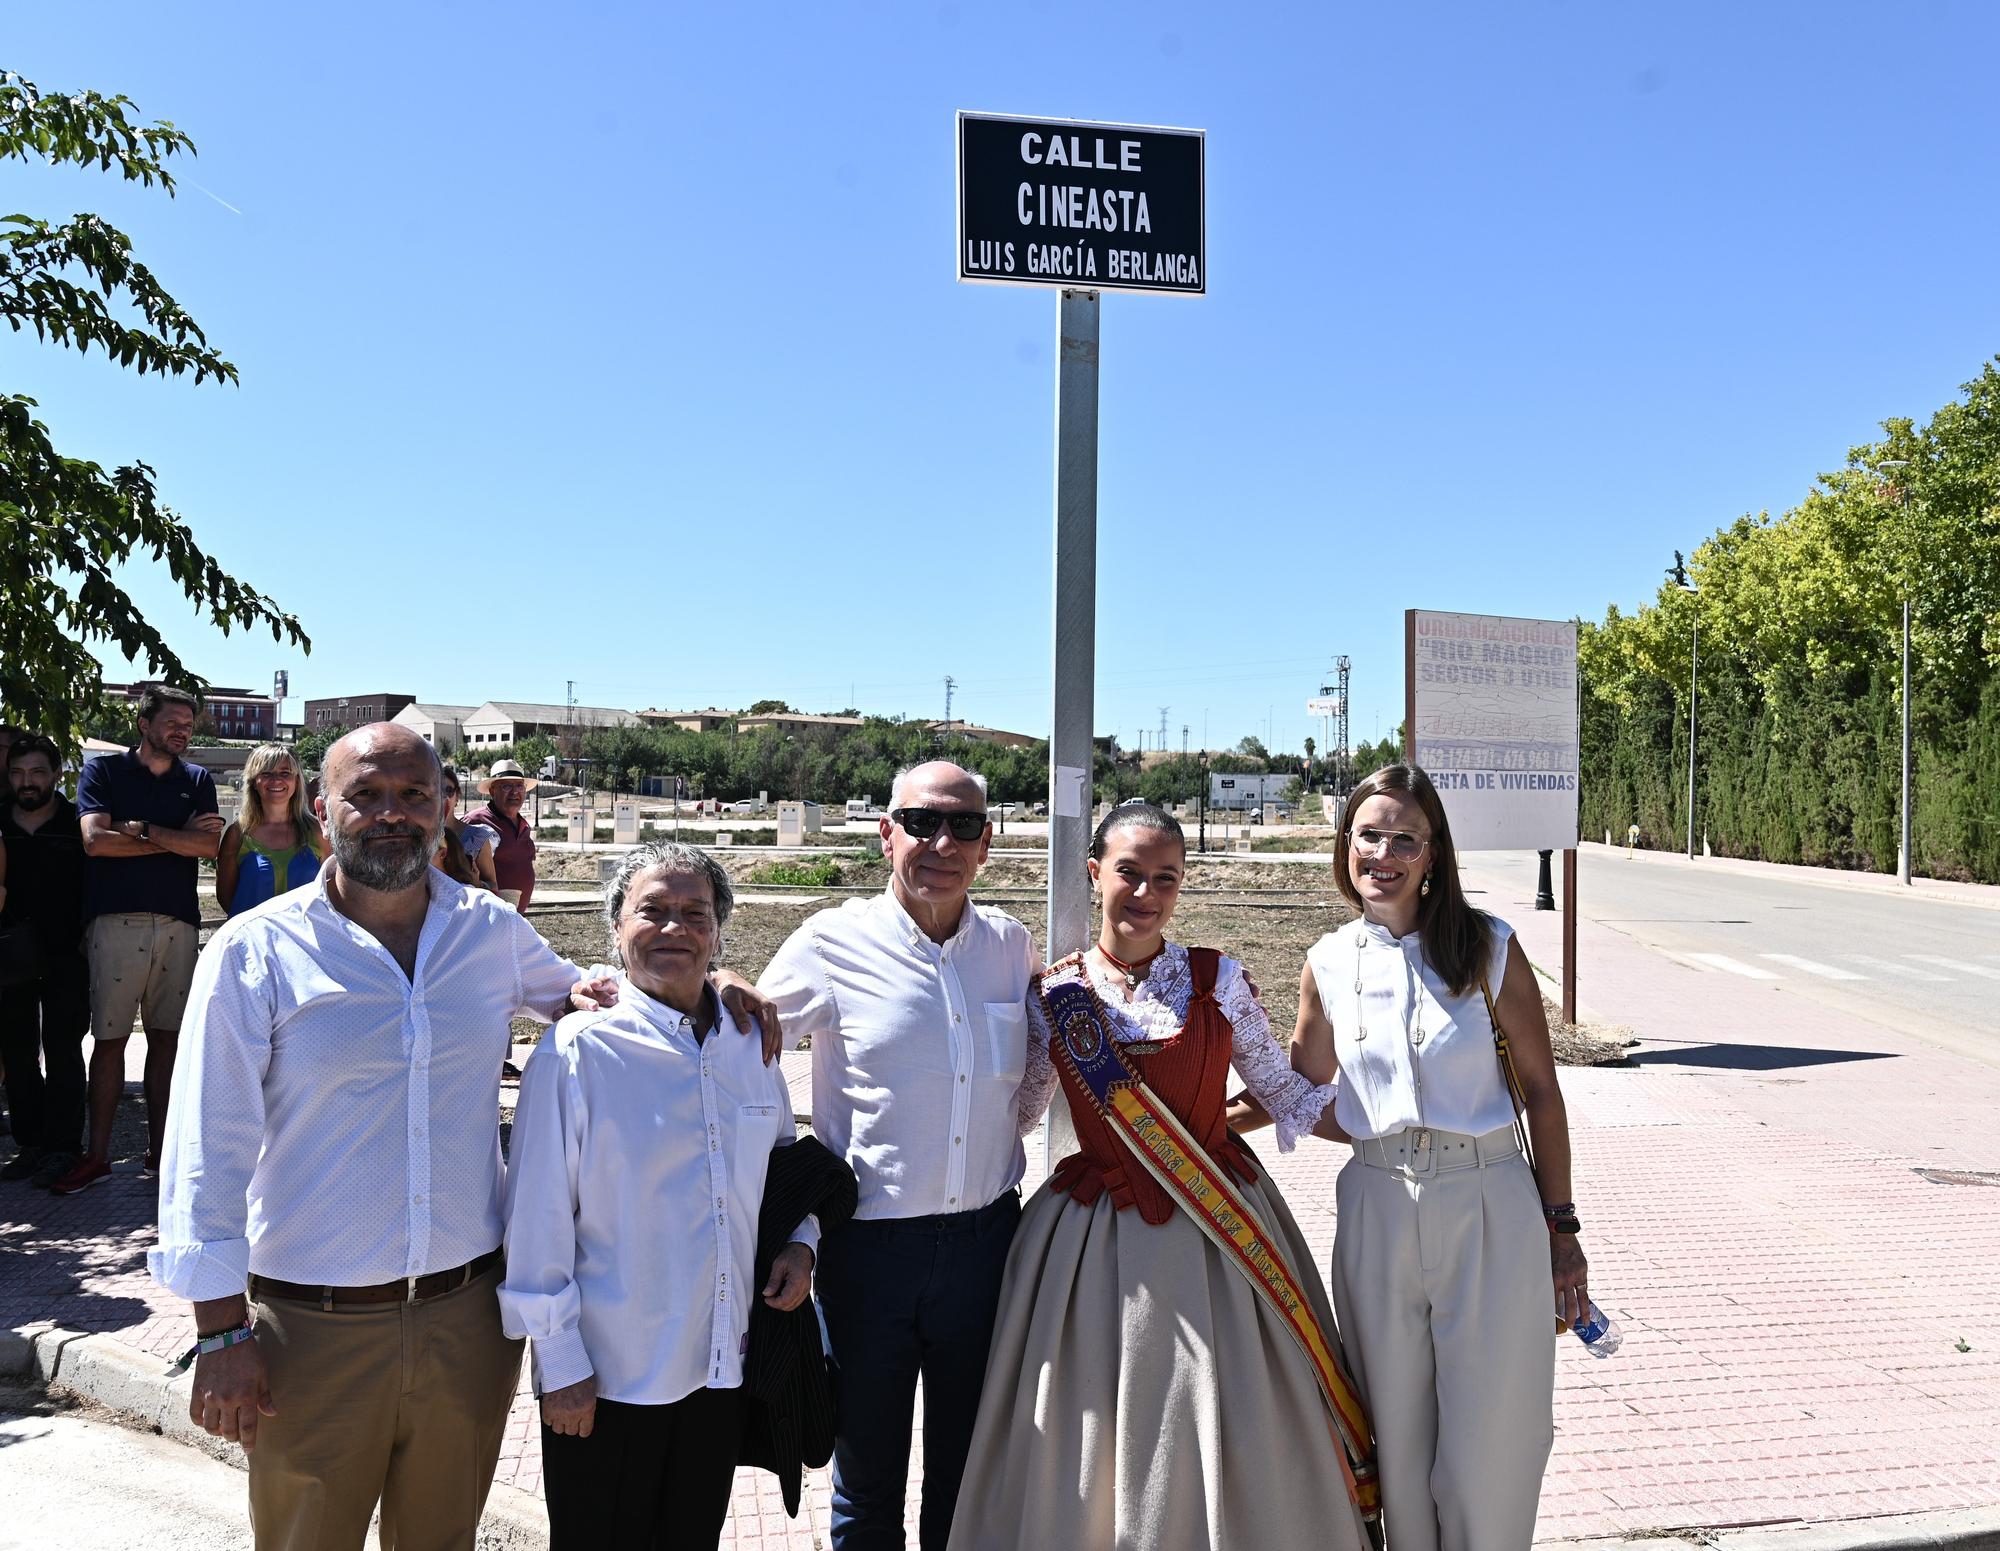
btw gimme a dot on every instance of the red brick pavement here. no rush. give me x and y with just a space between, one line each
1794 1294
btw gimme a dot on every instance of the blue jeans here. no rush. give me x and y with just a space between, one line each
907 1298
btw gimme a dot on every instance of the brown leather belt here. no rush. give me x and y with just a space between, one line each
408 1289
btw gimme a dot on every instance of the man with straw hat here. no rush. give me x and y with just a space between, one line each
505 788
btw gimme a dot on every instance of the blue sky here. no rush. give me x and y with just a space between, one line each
623 345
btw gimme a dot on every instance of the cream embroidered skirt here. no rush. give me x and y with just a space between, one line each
1140 1395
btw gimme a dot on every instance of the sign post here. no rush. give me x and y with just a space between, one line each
1491 715
1081 208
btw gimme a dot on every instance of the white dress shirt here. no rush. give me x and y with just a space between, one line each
336 1122
1411 1053
638 1166
918 1049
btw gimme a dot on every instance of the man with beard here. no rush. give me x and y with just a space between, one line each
330 1195
44 1019
148 818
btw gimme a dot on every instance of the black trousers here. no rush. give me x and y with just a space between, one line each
45 1020
648 1478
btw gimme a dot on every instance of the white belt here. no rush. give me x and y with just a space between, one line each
1427 1150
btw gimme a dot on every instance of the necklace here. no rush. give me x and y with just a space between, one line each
1134 972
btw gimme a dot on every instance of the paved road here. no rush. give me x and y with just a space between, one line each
80 1483
1927 968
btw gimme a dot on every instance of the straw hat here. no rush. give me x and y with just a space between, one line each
507 770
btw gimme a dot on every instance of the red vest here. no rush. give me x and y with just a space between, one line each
1189 1074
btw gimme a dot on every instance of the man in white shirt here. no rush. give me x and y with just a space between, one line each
915 1002
335 1153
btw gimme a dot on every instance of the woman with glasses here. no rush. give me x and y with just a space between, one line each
275 844
1449 1253
1128 1317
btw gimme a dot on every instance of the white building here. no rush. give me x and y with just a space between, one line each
501 722
441 726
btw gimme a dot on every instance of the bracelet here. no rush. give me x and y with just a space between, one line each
1565 1209
236 1335
1565 1225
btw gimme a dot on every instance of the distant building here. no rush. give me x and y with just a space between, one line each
225 713
709 720
974 733
508 721
441 726
795 722
338 714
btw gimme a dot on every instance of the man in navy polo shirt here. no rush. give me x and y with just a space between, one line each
148 818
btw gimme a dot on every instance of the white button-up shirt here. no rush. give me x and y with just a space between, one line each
1411 1053
918 1049
639 1156
336 1122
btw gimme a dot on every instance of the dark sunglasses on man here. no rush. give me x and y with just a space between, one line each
924 823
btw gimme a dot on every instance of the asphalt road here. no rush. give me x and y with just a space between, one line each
80 1483
1927 968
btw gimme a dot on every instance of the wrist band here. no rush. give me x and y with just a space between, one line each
1563 1209
1565 1225
221 1340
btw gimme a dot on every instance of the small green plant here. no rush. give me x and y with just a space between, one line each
817 872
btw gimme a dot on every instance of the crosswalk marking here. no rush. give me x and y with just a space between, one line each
1891 967
1734 966
1811 966
1958 964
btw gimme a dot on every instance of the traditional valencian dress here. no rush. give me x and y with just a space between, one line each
1141 1391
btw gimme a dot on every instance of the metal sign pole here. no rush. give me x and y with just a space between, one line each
1071 754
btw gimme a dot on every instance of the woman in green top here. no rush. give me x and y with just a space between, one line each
275 844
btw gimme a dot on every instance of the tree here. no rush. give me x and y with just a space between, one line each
769 708
65 524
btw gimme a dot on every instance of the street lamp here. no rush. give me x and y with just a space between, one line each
1903 851
1678 571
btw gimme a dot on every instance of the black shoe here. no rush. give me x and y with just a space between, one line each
54 1166
509 1070
22 1165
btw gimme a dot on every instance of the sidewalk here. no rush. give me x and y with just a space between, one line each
1812 1331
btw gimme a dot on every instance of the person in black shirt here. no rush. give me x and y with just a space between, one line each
42 1021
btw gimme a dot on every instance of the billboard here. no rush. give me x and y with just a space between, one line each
1491 709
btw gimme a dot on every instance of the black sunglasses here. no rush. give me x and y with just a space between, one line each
923 823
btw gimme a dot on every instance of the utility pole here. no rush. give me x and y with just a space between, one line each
1680 580
1903 856
950 684
1344 781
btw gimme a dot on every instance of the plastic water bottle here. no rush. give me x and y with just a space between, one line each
1598 1332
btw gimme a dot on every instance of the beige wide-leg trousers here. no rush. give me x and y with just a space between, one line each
1447 1313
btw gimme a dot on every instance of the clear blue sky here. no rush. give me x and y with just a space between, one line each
620 343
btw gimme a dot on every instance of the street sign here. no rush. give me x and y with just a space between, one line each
1492 715
1087 206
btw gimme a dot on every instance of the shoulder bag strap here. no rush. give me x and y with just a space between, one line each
1508 1074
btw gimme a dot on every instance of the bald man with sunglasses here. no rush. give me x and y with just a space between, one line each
915 1005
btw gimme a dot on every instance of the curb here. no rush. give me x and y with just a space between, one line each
1937 891
135 1386
1958 1529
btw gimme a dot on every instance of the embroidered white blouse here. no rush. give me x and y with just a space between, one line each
1156 1012
1411 1053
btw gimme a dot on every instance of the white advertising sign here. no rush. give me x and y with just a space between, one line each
1324 705
1492 712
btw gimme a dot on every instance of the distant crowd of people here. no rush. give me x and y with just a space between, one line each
100 913
1144 1354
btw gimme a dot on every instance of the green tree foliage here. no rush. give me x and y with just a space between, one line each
66 525
1798 753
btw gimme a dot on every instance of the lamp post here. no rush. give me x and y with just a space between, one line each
1680 577
1903 850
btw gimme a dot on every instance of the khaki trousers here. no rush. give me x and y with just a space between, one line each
405 1403
1447 1312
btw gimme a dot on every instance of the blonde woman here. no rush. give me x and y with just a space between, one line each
275 843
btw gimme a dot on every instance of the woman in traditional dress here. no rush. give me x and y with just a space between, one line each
1124 1320
1450 1253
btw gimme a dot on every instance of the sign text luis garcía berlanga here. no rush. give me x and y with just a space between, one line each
1105 207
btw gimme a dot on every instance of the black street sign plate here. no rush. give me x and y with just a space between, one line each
1099 207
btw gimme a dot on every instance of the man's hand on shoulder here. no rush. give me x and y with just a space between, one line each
594 994
748 1006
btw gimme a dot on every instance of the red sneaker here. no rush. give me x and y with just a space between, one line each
82 1177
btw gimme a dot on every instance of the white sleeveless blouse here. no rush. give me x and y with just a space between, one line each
1411 1053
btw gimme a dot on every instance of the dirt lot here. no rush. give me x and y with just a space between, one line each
1265 915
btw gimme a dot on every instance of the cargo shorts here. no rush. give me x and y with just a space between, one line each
140 966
